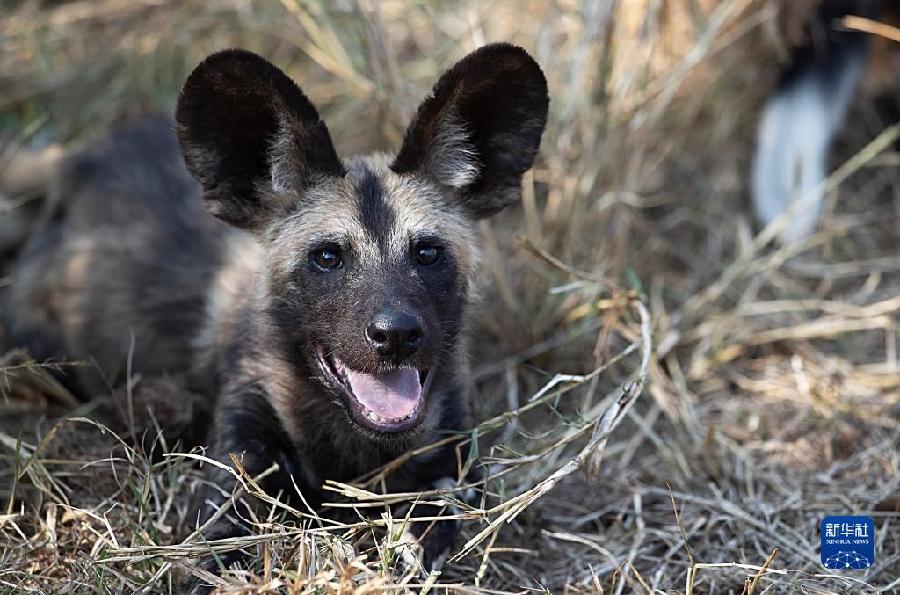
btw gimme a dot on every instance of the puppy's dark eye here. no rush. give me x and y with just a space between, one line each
328 259
427 254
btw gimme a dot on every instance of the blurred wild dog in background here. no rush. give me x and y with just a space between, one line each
324 305
810 104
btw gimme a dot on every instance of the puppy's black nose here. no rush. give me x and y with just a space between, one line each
395 334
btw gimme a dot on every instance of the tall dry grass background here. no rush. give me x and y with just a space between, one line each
768 400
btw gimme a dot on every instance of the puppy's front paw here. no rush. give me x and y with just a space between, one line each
437 538
203 579
438 542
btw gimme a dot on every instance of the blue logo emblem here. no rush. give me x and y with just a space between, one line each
848 542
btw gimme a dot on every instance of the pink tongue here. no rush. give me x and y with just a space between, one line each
392 395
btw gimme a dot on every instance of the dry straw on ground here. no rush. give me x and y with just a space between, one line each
770 396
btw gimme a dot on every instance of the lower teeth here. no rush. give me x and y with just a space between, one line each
383 420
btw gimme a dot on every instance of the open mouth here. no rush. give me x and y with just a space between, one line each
391 401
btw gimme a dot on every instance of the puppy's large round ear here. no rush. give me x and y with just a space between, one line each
481 128
250 137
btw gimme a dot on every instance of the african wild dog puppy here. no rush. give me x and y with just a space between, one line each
324 304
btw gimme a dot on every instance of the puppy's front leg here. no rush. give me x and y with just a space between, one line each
244 426
431 540
438 538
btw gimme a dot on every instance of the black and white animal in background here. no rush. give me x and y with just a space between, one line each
804 114
322 303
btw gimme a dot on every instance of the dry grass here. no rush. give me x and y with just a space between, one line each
771 396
